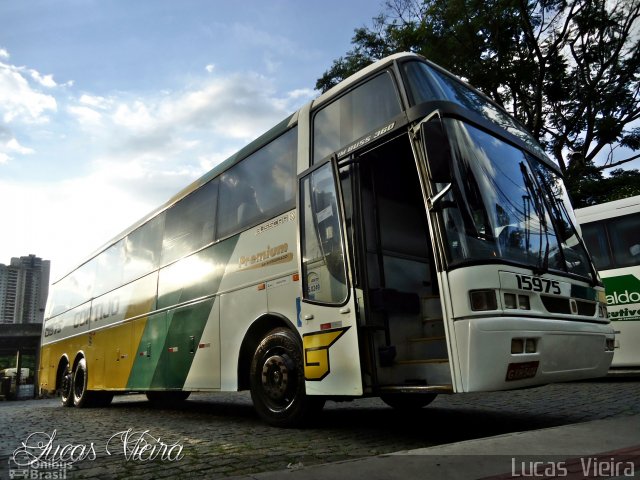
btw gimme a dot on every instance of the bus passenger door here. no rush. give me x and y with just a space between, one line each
434 162
327 309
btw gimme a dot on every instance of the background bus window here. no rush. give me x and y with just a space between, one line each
595 237
259 187
625 240
189 224
355 114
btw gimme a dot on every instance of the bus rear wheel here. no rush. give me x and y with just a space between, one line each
277 381
81 396
66 386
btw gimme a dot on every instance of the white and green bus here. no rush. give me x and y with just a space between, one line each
400 236
611 231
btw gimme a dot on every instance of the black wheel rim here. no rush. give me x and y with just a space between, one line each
66 385
78 383
278 381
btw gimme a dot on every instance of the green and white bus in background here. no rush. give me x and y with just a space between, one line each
400 236
612 233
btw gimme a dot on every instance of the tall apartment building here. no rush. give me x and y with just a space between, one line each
24 286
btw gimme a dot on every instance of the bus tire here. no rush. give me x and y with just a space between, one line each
66 387
408 401
277 381
82 398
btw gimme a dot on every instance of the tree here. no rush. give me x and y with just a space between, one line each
568 70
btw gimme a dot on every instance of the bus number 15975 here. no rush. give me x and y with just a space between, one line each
537 284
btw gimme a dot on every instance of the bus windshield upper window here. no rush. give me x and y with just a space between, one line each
355 114
426 83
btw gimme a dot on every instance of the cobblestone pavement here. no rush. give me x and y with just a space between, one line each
221 436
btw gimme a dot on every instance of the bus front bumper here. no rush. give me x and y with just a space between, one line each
510 352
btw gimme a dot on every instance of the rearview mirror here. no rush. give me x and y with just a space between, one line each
437 150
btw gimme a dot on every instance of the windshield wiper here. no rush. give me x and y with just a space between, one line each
594 273
536 195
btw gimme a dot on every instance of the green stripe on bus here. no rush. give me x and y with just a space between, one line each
170 339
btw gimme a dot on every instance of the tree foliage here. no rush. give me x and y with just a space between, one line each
568 70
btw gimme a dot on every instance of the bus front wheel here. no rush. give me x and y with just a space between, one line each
277 381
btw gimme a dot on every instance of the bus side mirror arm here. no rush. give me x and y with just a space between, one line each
432 202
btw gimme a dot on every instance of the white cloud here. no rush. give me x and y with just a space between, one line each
4 53
85 115
19 102
302 93
44 80
209 116
95 101
210 68
14 146
10 146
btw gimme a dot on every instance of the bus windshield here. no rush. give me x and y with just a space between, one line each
500 209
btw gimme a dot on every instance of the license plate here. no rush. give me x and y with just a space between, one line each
520 371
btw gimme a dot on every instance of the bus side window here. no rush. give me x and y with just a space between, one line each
595 237
189 224
258 187
142 249
624 240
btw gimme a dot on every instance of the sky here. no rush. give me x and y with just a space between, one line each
109 107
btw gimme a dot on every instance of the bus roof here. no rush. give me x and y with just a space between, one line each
602 211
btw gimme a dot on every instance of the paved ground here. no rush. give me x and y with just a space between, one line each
221 436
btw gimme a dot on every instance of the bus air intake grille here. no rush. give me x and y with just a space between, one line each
588 309
556 304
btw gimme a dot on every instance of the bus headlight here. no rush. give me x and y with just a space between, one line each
510 301
513 302
483 300
524 345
